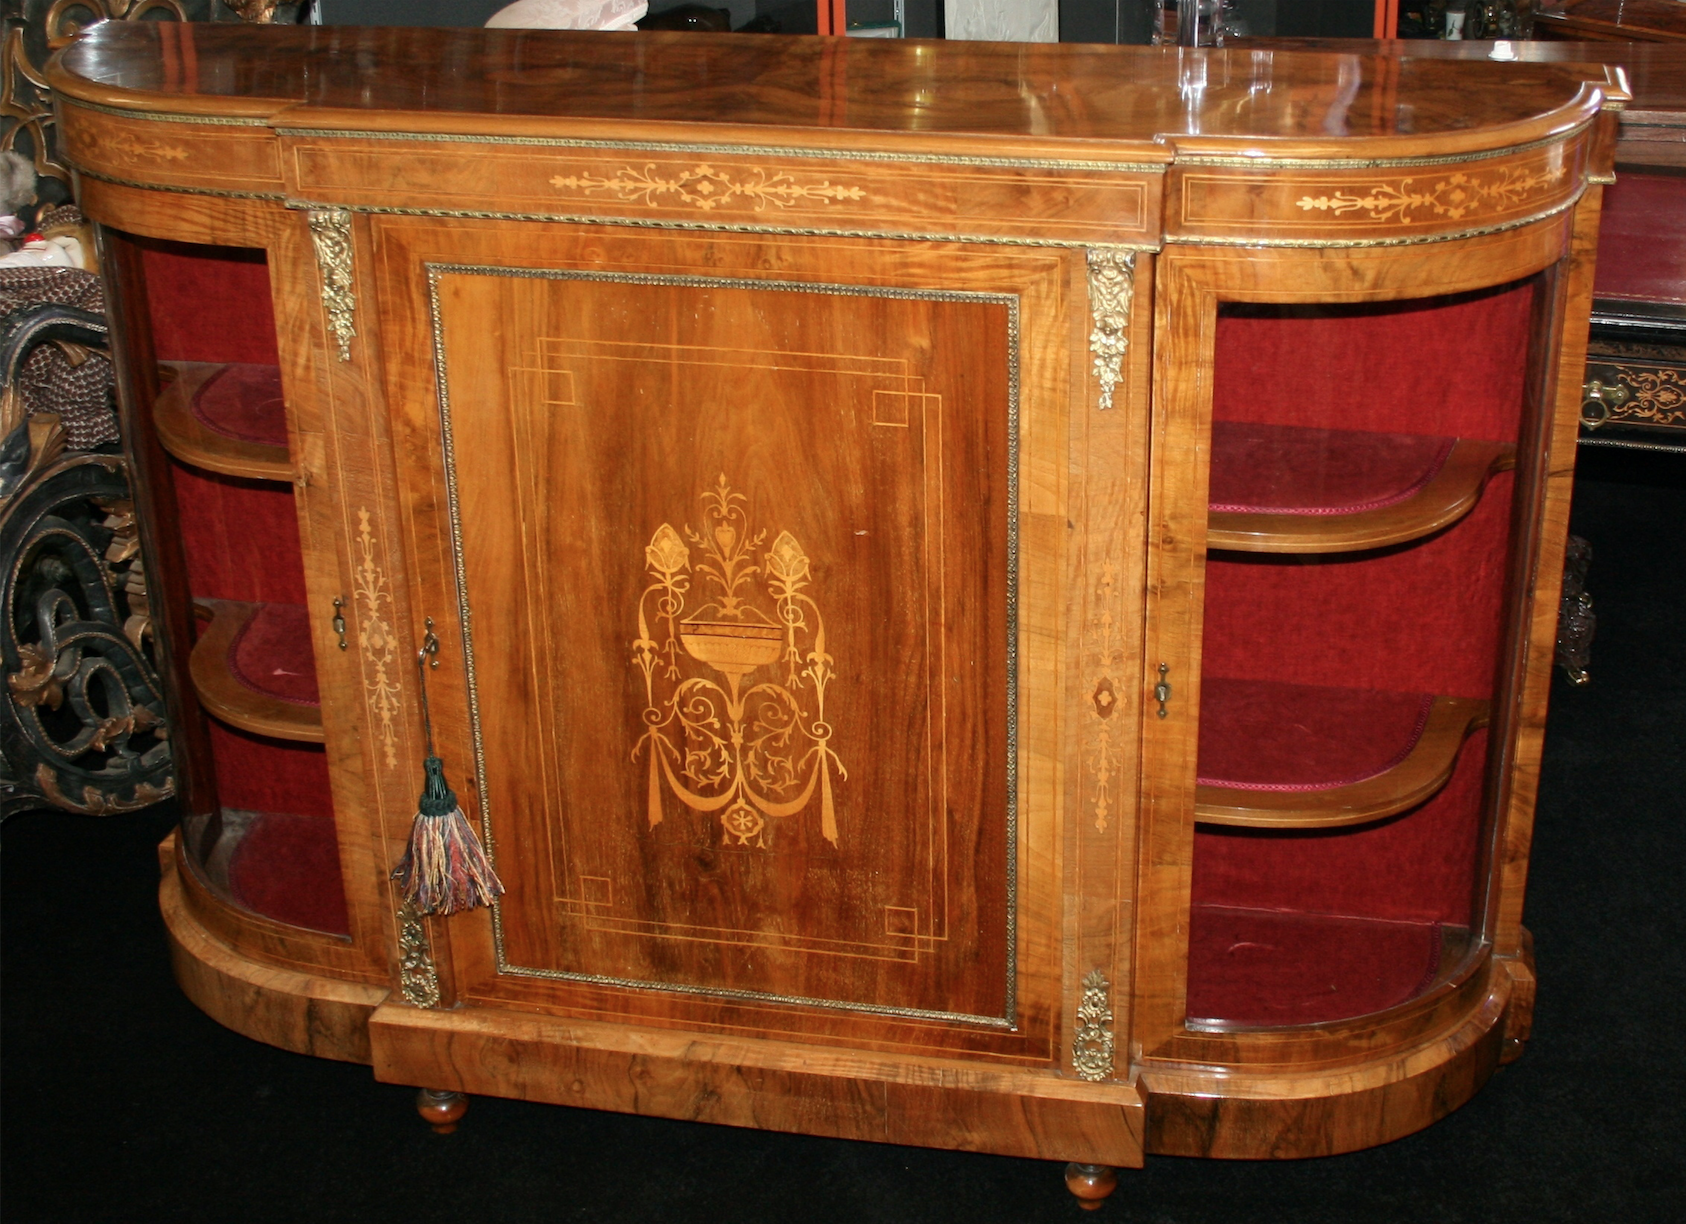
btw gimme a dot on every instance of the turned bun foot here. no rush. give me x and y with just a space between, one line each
1090 1183
442 1109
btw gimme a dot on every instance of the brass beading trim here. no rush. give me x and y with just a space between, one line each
737 150
163 117
1374 163
1008 1020
220 192
729 227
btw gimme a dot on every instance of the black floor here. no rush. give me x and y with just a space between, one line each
124 1103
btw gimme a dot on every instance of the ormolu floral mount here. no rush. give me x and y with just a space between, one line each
443 870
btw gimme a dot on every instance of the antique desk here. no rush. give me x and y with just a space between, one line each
976 595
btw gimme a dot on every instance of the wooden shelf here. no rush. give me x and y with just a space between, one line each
1310 492
1421 766
236 701
191 437
1274 969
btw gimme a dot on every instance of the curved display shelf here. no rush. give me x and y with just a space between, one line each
253 668
1289 489
1300 756
1252 969
227 418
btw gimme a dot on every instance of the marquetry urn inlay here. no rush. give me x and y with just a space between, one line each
731 647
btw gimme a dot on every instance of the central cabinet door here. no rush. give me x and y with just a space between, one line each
727 533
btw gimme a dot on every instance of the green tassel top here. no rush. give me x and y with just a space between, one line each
438 799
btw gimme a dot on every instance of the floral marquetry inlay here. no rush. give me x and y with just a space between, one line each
1104 753
731 647
127 149
1458 195
707 188
377 647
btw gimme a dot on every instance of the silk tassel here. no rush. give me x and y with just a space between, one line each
444 870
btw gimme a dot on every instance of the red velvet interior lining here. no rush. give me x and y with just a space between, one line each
1287 469
1304 926
1641 239
270 775
244 402
1296 737
272 654
1451 367
1424 617
242 542
1421 618
209 303
288 868
241 538
1252 967
1418 866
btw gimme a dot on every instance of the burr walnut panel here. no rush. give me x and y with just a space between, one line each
742 694
754 714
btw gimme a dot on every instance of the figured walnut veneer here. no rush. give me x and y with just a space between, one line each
798 449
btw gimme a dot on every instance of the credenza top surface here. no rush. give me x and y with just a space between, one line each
408 78
1656 72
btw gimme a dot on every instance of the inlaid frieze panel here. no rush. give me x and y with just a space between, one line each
225 155
1214 198
740 689
1027 198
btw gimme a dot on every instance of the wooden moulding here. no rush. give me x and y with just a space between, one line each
1288 1113
1524 984
320 1016
187 438
225 697
1451 494
771 1085
1421 774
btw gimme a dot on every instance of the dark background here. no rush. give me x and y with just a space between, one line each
122 1102
1131 21
1109 21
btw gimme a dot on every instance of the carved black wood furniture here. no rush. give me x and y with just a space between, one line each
82 724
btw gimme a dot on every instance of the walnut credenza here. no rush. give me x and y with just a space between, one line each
987 596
